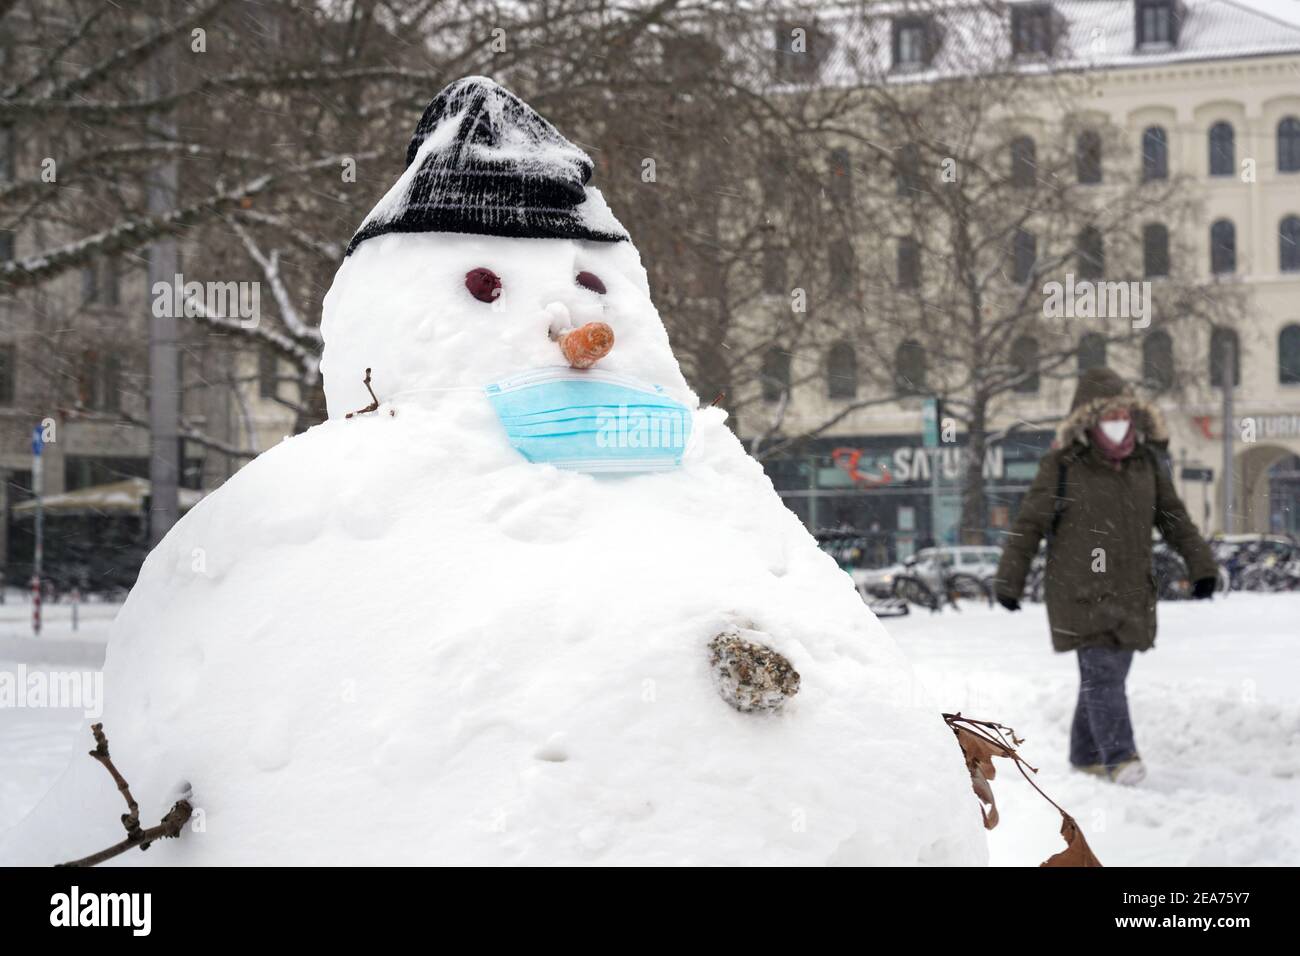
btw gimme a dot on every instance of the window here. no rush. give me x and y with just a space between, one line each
842 371
98 384
1157 23
1155 250
268 374
1223 247
7 148
99 284
842 266
774 275
776 374
800 50
1288 145
1024 163
1024 362
1155 154
1223 342
89 284
1024 256
841 177
1087 157
1288 252
1158 361
1092 351
109 391
911 43
909 368
909 263
8 368
907 170
1031 30
6 245
1091 253
775 178
1223 154
1288 355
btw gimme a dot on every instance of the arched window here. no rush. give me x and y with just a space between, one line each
1288 145
1155 154
1024 163
1223 247
776 374
1092 351
1024 360
1091 253
1087 157
1158 361
1223 151
1288 355
1155 250
1288 252
1024 256
1222 342
909 368
842 371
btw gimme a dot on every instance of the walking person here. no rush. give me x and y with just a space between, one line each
1098 493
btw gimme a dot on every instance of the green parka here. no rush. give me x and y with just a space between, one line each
1099 585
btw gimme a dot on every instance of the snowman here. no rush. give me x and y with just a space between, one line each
519 600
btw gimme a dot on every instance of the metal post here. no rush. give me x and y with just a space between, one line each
1229 360
38 547
934 497
164 387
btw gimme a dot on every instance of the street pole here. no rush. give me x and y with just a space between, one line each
164 384
38 546
930 441
1229 359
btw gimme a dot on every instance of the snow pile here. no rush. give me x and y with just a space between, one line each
1214 713
387 656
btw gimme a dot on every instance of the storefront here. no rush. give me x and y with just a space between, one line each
885 486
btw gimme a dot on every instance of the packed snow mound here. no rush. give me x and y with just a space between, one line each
392 640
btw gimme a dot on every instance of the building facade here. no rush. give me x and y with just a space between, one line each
1209 92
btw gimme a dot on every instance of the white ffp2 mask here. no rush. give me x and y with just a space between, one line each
1116 431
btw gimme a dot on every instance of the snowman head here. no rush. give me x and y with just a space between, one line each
489 256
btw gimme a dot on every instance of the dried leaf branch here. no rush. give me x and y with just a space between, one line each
171 824
374 402
980 742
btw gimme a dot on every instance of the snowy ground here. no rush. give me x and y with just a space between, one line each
1215 708
36 743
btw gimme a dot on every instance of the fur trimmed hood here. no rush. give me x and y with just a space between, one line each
1101 390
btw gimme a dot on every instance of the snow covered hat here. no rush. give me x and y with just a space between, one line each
483 161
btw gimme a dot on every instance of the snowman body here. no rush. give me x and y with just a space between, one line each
395 639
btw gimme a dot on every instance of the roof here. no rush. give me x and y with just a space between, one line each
118 497
1096 35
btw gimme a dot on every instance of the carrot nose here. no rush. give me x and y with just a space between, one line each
585 346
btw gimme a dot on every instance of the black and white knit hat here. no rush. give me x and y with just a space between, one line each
483 161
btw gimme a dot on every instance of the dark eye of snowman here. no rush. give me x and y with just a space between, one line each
589 280
483 284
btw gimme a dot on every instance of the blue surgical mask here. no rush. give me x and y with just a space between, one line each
591 420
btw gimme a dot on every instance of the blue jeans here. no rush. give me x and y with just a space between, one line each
1102 732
